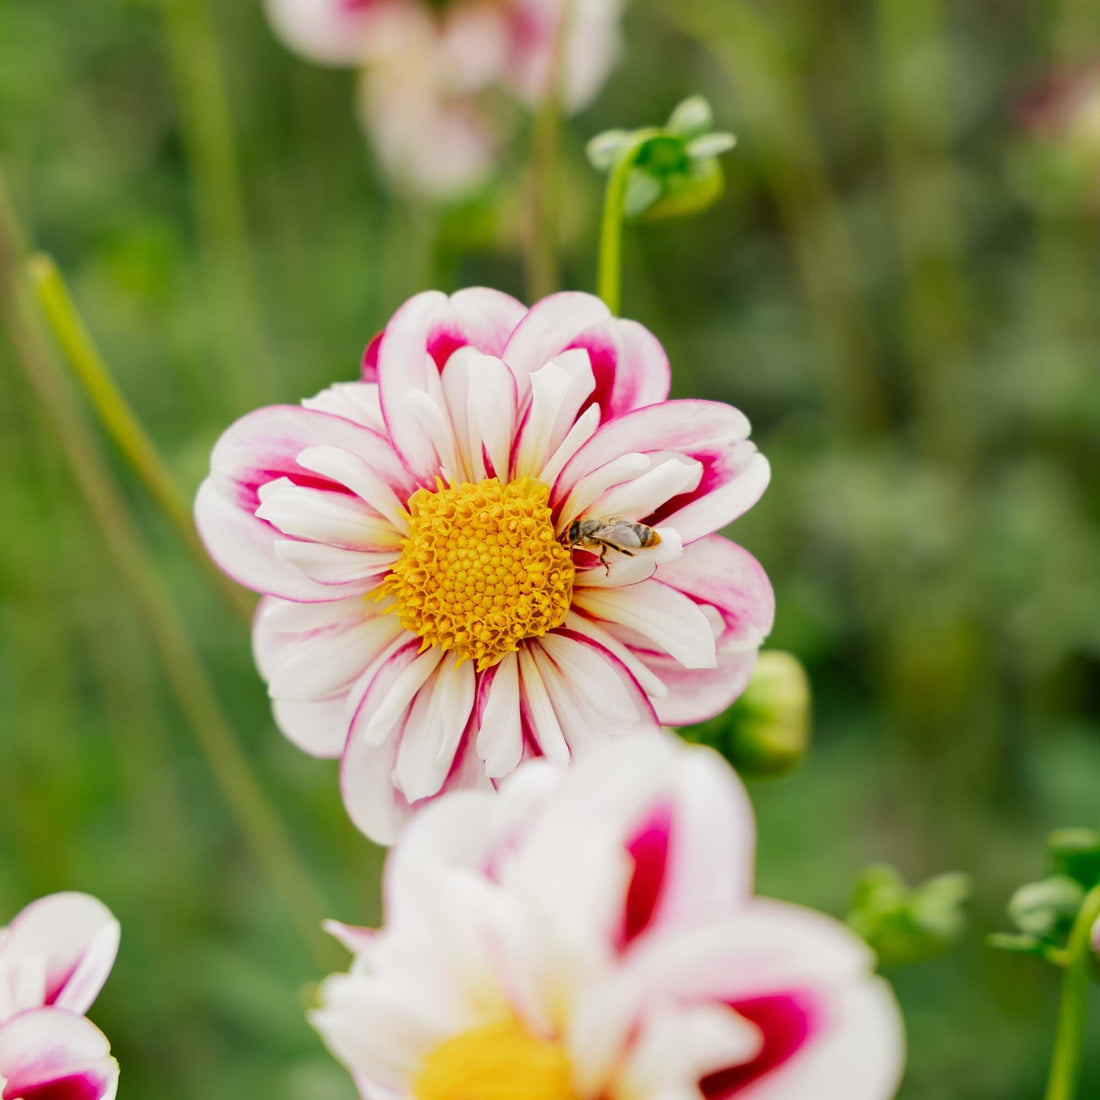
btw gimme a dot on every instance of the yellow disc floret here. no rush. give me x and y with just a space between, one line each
481 568
498 1061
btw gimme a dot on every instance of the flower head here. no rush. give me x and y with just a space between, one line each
54 958
591 934
428 68
451 555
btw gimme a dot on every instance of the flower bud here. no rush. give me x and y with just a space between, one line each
1076 853
674 169
769 730
904 924
1047 908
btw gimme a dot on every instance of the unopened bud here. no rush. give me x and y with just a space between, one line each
769 726
1047 908
1075 853
691 118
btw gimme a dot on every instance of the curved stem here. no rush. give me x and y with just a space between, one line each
1065 1066
609 274
120 421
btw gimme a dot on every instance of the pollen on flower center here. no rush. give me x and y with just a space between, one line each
481 568
498 1061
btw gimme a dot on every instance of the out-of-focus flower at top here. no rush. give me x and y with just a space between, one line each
428 69
1057 166
499 544
591 934
54 958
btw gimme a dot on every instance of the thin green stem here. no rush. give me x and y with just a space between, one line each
609 273
259 823
119 419
1069 1039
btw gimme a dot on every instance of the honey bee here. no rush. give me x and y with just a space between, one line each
612 533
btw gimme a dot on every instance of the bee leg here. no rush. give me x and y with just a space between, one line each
603 559
628 553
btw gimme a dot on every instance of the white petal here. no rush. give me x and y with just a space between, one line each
538 710
337 519
434 729
643 495
358 401
669 619
558 390
381 723
590 487
333 565
500 732
352 472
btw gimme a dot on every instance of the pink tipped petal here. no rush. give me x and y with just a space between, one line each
421 337
434 729
319 727
373 803
55 1054
733 477
629 366
716 574
328 32
264 447
76 936
665 618
480 394
357 401
676 1046
500 731
336 519
558 391
849 1045
355 939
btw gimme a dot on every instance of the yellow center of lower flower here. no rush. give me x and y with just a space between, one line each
481 568
500 1061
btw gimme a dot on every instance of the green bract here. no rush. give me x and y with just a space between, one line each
906 924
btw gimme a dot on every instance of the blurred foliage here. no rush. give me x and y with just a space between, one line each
911 326
908 924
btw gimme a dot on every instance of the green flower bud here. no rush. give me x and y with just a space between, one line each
1075 853
673 171
769 726
904 924
1046 909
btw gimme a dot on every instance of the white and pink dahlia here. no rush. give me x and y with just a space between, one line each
54 958
428 66
425 616
591 934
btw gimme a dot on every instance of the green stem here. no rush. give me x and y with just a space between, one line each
259 824
609 274
1069 1040
119 420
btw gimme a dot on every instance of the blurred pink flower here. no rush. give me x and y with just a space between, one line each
426 71
591 934
424 616
54 958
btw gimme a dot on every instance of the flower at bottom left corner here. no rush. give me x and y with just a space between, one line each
54 958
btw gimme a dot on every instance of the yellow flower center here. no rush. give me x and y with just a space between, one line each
500 1061
481 568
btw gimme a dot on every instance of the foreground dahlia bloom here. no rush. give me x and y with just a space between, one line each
425 616
591 934
427 66
54 958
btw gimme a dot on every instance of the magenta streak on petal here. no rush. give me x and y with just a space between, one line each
604 357
716 472
443 343
353 7
369 367
80 1086
649 849
787 1020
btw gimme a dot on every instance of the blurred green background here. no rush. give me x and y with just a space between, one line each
899 288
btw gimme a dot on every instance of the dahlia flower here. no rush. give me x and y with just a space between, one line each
425 616
54 958
591 934
426 69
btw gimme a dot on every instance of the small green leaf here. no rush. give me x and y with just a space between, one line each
691 118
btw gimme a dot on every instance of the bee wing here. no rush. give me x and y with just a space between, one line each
621 534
